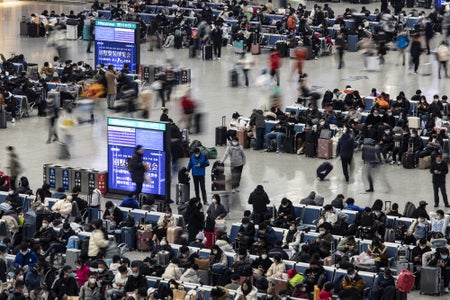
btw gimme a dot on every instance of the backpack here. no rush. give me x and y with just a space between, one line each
399 231
193 145
72 242
366 219
389 235
405 281
402 42
409 209
182 176
420 231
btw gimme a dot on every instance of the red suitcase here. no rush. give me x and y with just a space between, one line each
325 149
211 238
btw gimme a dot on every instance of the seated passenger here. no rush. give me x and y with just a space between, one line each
278 133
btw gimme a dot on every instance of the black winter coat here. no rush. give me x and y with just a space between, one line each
345 146
137 168
259 200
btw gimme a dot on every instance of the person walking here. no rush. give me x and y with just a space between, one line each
339 43
371 157
246 62
52 115
442 53
198 163
439 169
237 162
402 43
345 149
188 107
14 166
111 76
415 51
259 201
275 65
257 120
137 168
66 123
91 20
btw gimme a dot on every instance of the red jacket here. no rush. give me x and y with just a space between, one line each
187 105
275 60
324 295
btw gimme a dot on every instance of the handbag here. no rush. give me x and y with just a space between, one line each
203 263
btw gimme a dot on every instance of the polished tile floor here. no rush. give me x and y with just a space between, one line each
281 174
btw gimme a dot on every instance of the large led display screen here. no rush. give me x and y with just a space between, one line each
123 136
117 43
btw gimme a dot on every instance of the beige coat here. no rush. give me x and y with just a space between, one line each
63 206
172 272
111 85
276 270
97 241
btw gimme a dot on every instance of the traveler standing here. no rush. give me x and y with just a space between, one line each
340 46
345 148
259 200
111 76
257 119
246 62
137 168
14 167
237 162
415 51
198 163
216 37
442 54
439 169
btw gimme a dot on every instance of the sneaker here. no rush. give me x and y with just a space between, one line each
48 142
369 191
13 120
446 290
399 163
278 151
436 205
392 162
447 206
267 150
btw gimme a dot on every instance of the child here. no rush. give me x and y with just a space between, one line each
300 291
327 292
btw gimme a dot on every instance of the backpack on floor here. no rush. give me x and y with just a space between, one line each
405 281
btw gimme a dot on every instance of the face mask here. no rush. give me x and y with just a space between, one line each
413 135
92 280
389 114
351 276
284 298
422 247
264 256
234 143
101 270
197 155
321 231
184 255
214 201
322 123
168 215
135 275
163 243
110 292
71 275
44 225
269 296
292 228
24 252
386 131
438 162
421 220
215 252
66 230
444 257
376 115
20 277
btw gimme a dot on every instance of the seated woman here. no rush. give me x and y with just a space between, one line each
218 260
378 251
165 221
439 222
276 269
246 291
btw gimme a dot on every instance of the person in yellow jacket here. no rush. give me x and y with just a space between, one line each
97 240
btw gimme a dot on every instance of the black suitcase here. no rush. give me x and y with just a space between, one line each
323 170
178 42
430 280
289 145
33 29
128 236
3 117
282 48
234 78
192 51
221 134
207 52
309 149
408 160
218 182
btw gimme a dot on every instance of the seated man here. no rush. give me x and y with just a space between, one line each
353 280
45 235
442 260
113 214
278 133
314 275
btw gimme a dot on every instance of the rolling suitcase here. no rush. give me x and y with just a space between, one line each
211 238
86 33
57 96
221 133
424 162
426 68
185 76
3 117
352 43
430 280
234 78
172 233
207 52
72 255
163 258
325 149
218 182
183 194
323 170
128 236
414 122
203 276
408 160
309 149
72 32
33 29
256 49
178 42
23 27
144 239
243 138
289 145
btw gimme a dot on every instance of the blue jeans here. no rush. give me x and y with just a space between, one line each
278 136
260 138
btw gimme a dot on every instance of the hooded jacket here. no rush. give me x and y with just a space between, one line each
236 154
259 200
190 276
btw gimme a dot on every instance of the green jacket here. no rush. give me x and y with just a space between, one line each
14 165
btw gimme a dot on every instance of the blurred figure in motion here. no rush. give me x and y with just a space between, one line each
145 103
188 107
66 125
264 84
371 157
57 40
52 115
